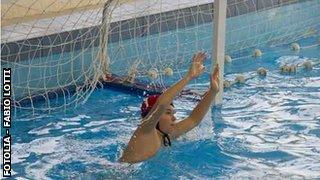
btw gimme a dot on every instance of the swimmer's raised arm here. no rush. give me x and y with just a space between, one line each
201 109
167 96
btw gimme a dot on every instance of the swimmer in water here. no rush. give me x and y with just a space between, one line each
159 126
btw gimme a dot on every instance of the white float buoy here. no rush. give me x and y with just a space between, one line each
240 79
153 73
295 47
284 68
262 71
226 84
288 68
227 59
307 65
292 68
168 71
257 53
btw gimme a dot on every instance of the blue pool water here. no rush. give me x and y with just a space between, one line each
269 127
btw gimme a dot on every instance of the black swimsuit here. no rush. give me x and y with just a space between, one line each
165 136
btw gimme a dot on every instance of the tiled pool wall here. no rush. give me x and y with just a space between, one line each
43 62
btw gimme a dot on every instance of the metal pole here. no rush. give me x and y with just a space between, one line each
219 23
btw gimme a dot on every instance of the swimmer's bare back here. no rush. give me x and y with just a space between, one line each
142 146
159 122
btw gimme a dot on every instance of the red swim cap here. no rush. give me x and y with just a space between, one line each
148 104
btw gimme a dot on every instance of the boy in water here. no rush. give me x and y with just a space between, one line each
159 124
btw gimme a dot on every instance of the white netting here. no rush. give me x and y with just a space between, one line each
54 50
68 45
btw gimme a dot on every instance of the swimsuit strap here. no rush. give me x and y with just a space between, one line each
165 136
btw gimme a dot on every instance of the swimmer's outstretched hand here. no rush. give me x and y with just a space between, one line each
214 79
197 67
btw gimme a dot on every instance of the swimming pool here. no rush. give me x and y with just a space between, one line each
268 127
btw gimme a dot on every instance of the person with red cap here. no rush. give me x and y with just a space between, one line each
159 126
